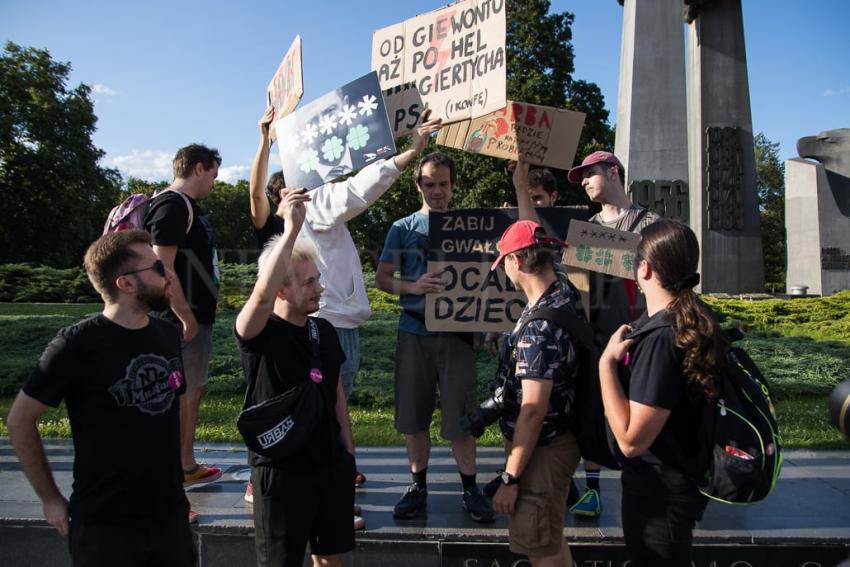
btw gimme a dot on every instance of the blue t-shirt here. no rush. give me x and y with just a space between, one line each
406 248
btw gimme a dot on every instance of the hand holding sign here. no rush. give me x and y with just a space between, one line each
429 282
265 123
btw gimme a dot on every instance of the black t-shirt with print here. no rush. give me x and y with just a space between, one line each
273 226
196 262
281 357
121 388
654 377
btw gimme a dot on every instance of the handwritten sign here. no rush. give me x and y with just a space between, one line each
462 246
455 57
602 249
335 134
287 86
544 134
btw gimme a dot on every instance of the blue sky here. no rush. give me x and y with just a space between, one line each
166 74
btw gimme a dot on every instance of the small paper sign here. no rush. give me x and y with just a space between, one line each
287 86
601 249
335 134
545 135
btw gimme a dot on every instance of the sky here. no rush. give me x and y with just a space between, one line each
166 74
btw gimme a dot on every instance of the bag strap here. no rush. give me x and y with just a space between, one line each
637 220
185 200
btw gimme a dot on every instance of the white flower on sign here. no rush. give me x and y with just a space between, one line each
348 114
309 133
290 143
368 104
327 123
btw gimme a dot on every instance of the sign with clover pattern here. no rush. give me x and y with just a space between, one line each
601 249
334 135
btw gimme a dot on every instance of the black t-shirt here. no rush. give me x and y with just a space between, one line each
196 262
121 387
654 378
281 357
272 227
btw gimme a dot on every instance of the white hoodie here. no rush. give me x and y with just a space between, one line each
344 302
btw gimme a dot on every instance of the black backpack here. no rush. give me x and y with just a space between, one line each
739 454
588 419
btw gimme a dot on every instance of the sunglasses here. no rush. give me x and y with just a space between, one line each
157 266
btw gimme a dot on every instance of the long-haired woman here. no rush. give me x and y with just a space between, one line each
654 396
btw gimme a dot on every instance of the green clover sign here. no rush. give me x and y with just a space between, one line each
358 137
604 257
332 149
308 160
628 262
584 253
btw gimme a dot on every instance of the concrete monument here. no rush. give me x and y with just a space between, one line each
722 177
817 213
651 137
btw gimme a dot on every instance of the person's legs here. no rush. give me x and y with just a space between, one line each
589 504
285 508
196 360
332 532
171 543
349 340
96 545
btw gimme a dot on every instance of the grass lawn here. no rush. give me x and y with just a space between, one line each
802 371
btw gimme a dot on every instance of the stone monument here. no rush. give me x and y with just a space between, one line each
817 213
652 137
722 177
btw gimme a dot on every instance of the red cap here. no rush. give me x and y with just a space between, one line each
522 234
574 175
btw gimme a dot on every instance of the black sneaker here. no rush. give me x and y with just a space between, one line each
413 502
477 507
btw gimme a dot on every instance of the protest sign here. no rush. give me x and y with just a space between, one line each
455 57
545 135
462 246
602 249
287 86
335 134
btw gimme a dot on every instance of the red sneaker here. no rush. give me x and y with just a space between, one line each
193 517
201 473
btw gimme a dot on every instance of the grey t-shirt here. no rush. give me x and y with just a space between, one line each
615 301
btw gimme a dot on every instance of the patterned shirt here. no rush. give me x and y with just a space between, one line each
543 351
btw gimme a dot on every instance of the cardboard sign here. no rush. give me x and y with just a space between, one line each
336 134
544 134
462 246
601 249
404 108
287 86
454 56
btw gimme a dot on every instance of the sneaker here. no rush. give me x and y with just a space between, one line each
359 479
201 473
491 487
359 523
249 493
477 507
193 517
590 504
414 501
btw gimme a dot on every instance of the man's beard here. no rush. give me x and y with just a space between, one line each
151 299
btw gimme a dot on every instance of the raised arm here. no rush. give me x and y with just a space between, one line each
26 440
255 314
179 304
259 170
523 198
418 141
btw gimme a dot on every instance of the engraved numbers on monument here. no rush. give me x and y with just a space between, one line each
666 198
724 179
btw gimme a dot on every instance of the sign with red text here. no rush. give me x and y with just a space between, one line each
601 249
287 86
543 134
455 57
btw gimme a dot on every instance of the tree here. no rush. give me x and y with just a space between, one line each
539 70
54 197
770 183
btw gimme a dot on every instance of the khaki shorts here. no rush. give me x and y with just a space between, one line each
424 362
196 357
536 527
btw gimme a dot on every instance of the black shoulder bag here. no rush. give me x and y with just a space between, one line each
279 427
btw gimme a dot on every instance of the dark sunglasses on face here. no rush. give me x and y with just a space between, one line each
157 266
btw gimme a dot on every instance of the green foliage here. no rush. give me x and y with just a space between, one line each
770 181
820 318
34 283
54 197
227 207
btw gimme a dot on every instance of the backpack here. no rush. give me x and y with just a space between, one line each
739 455
588 419
130 214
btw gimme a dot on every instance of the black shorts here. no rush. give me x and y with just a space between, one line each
157 543
294 506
